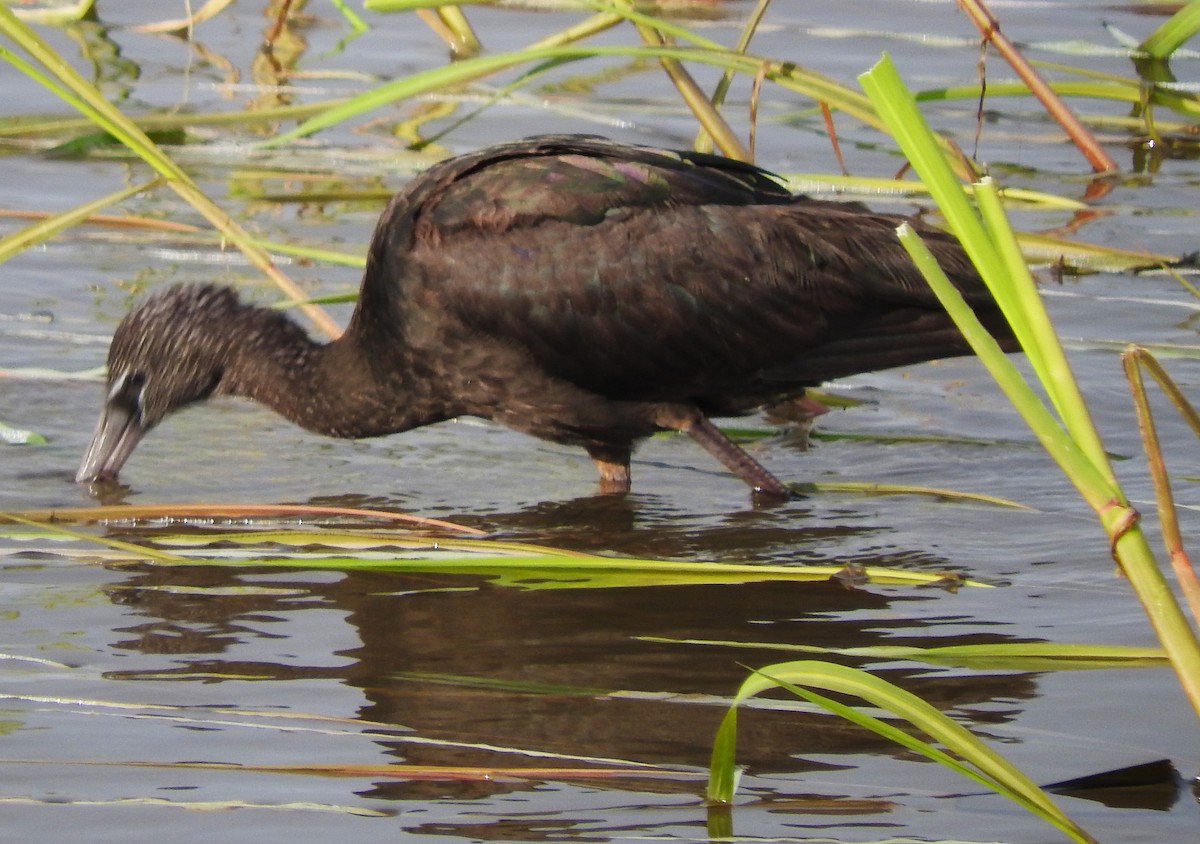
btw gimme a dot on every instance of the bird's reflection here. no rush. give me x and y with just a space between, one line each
584 672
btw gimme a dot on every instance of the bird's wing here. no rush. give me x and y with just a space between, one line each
576 178
644 274
581 180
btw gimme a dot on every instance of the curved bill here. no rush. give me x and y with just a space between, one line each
117 434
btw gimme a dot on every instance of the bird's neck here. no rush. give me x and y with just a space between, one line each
345 388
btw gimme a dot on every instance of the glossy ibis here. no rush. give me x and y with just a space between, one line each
579 290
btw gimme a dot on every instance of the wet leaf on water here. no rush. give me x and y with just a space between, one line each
19 436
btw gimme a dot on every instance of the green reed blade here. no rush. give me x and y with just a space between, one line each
978 762
1171 35
1080 454
1004 656
45 229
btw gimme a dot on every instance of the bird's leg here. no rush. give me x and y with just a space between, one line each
693 422
613 464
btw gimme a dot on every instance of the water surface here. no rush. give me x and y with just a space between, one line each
266 667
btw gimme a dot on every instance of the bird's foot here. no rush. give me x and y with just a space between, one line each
691 421
614 472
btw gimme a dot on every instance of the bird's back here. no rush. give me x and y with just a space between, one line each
647 275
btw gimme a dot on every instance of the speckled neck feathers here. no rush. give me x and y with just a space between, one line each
199 340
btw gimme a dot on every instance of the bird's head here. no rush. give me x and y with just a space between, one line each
169 352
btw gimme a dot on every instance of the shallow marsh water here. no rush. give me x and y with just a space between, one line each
265 667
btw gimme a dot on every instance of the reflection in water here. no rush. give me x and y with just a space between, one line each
111 71
559 671
1153 785
647 525
283 47
652 526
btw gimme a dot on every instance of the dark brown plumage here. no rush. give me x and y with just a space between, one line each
576 289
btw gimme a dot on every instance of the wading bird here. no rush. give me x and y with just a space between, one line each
579 290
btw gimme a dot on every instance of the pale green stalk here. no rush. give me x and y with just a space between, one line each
584 29
1123 92
138 551
43 230
1037 334
454 19
979 762
1128 542
1008 656
352 18
1019 301
1092 484
1080 453
1174 32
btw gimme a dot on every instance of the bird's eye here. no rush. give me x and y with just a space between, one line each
128 391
